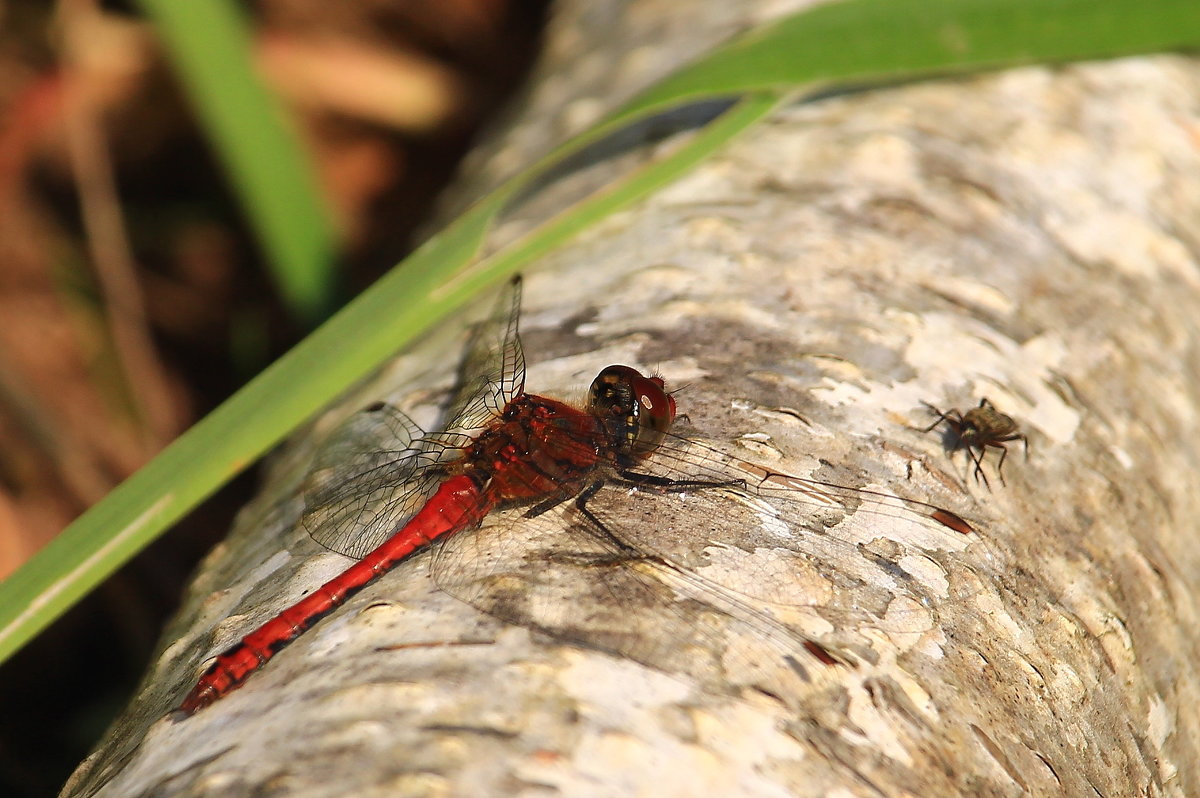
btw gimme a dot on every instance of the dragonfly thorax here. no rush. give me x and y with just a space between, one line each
635 410
538 448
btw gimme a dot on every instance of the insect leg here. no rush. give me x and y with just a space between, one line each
599 526
978 459
548 504
1000 466
678 485
940 417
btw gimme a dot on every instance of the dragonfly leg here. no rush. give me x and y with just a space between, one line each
547 504
668 484
599 526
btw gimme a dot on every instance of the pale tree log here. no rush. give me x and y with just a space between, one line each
1029 237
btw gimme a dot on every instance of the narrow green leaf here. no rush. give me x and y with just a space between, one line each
873 42
211 49
870 40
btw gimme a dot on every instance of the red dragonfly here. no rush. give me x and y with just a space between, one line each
382 489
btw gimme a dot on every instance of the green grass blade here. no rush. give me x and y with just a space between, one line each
869 42
866 40
211 50
854 42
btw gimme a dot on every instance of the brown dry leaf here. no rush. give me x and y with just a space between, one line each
390 87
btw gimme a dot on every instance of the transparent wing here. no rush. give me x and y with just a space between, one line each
379 468
493 371
372 474
679 464
553 574
804 574
702 503
661 582
737 544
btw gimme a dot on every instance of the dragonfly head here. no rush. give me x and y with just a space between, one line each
636 410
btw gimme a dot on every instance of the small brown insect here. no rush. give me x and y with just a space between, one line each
978 429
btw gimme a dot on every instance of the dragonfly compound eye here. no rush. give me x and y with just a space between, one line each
639 407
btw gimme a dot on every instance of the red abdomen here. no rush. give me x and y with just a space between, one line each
458 504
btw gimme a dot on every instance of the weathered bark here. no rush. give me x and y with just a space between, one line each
1027 236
